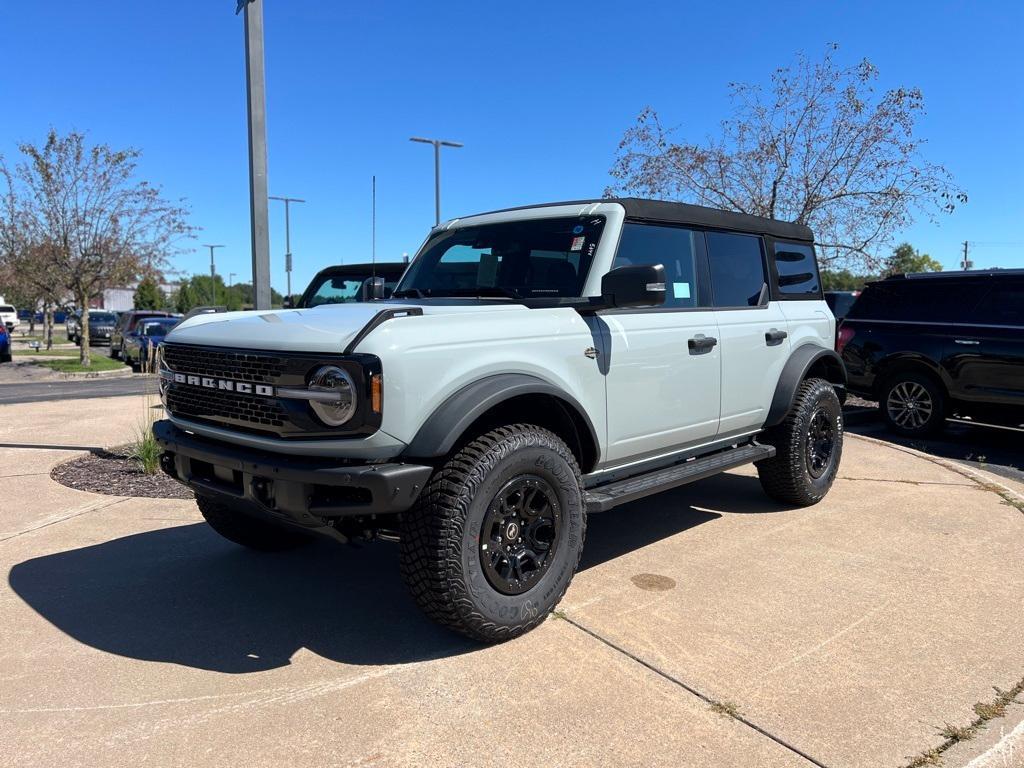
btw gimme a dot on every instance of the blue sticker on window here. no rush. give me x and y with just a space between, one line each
577 229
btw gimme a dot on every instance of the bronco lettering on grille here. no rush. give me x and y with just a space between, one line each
241 387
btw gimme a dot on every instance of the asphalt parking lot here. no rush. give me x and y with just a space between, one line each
707 627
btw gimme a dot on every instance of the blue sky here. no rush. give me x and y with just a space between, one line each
540 93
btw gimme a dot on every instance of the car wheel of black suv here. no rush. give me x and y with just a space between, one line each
247 530
495 537
808 447
913 404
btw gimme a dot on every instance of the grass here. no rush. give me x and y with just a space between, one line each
47 352
953 734
72 365
146 451
58 338
725 708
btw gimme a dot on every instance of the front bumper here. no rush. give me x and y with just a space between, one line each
308 491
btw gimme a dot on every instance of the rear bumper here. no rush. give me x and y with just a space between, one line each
307 491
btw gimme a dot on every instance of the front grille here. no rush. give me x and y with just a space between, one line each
210 404
258 368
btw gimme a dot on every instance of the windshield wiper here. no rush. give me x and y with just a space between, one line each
479 292
410 293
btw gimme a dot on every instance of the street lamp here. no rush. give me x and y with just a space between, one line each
438 143
288 237
255 86
213 273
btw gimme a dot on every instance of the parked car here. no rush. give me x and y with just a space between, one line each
5 344
936 345
101 327
8 316
840 302
140 344
73 327
126 324
345 283
533 366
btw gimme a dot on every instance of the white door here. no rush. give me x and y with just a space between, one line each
662 365
754 333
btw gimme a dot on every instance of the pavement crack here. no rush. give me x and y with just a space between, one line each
72 516
726 708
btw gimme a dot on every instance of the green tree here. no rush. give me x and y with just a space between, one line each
818 145
906 259
148 295
844 280
76 217
184 298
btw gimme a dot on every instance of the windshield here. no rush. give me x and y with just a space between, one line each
6 308
102 317
536 258
339 290
158 329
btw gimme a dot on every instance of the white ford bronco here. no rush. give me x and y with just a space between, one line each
534 366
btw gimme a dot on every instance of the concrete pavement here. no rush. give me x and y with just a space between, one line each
846 634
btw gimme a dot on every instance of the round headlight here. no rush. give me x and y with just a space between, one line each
338 403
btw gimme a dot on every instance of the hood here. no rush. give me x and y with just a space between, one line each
327 328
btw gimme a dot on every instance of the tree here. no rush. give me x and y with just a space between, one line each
148 295
906 259
819 146
76 217
844 280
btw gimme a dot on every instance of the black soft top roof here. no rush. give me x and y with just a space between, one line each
667 212
385 267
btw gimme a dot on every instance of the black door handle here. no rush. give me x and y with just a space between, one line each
701 343
774 336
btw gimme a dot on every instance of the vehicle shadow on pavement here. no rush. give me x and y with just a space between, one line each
185 596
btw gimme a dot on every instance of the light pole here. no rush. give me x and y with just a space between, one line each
288 237
438 143
213 273
255 86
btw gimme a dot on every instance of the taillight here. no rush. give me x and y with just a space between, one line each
845 334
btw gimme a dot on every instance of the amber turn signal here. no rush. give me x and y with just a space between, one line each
376 393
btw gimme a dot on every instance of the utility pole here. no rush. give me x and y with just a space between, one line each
288 237
438 143
255 86
966 263
213 274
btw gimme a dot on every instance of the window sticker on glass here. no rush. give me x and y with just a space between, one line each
577 243
681 290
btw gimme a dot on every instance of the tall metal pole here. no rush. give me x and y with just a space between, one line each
213 274
287 236
255 85
438 143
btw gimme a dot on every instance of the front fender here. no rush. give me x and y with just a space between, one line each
455 415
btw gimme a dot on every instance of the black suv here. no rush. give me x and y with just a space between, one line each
935 345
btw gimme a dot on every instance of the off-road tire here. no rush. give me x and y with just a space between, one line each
5 358
440 537
247 530
787 477
933 394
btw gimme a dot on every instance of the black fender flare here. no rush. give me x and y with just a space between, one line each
796 369
456 414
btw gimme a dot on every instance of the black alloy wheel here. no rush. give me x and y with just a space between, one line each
821 442
519 534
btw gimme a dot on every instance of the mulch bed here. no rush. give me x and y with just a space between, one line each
115 473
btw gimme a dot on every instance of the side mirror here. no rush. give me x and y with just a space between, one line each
373 289
640 286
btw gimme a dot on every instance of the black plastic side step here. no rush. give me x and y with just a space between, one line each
605 497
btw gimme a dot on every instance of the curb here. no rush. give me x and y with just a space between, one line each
118 374
983 479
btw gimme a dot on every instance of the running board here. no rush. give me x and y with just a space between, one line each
605 497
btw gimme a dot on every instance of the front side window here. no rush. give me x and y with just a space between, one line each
336 290
737 269
796 268
535 258
674 248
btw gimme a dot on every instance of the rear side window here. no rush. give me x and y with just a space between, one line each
927 300
674 248
796 269
1004 305
737 269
